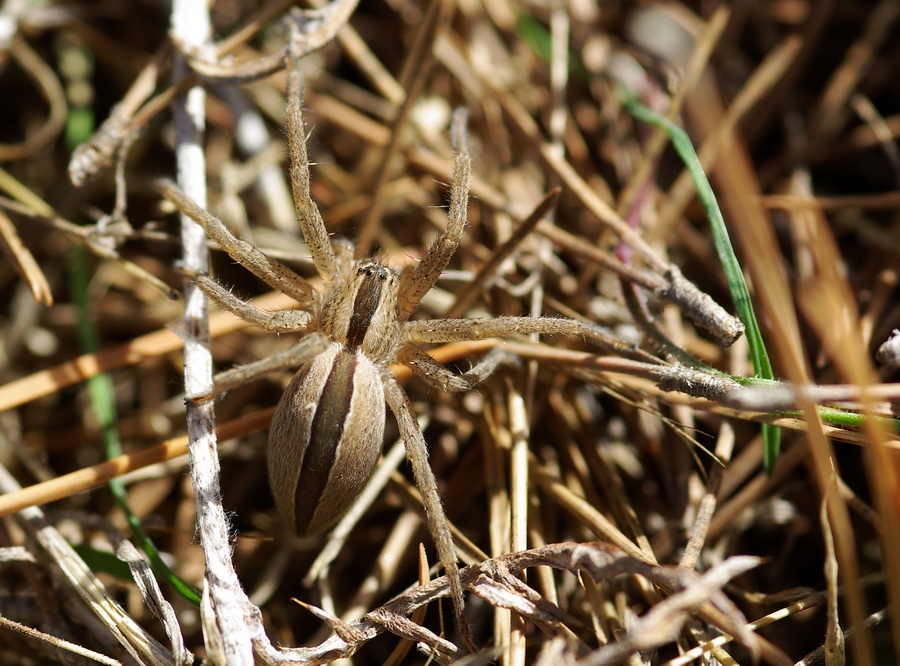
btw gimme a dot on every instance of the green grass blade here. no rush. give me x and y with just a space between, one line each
102 397
733 274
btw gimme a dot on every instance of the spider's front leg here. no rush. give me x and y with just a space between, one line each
272 272
419 281
314 232
276 321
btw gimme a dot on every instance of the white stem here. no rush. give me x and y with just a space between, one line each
226 619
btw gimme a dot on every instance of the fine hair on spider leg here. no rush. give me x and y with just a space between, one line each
327 431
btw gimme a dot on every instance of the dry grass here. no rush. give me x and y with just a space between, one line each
793 108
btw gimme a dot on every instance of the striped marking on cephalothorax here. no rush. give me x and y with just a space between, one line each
368 299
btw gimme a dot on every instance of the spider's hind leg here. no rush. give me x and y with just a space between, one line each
417 452
442 377
310 346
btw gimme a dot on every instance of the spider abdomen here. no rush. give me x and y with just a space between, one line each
325 437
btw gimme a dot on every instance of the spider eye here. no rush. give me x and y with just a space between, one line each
374 270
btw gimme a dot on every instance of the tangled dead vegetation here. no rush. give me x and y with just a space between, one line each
605 505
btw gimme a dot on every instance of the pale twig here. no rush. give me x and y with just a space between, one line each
834 637
225 609
519 484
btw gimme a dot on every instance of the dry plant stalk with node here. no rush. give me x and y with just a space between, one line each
327 431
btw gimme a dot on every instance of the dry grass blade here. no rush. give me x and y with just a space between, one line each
60 643
76 578
45 79
664 621
22 259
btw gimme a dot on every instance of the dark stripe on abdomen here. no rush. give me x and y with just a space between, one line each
326 433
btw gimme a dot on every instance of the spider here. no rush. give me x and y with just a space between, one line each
326 434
